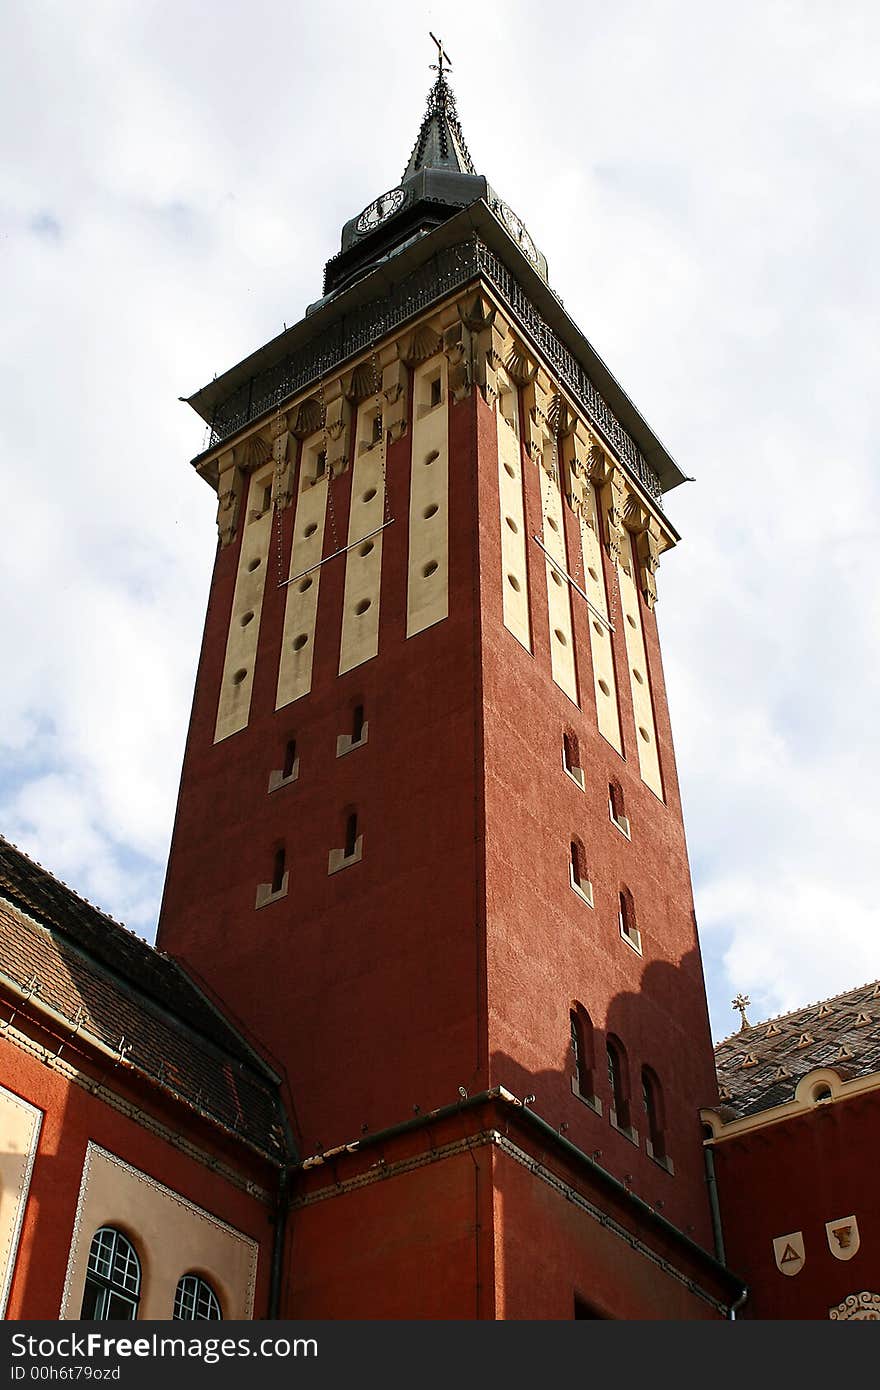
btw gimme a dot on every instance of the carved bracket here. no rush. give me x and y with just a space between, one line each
336 422
230 490
457 348
395 398
282 454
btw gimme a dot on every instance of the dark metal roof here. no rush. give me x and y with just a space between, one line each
440 143
136 1001
760 1066
345 323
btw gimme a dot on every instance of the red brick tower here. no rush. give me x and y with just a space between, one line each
429 845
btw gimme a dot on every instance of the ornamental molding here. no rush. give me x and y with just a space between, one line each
93 1151
20 1196
857 1307
368 324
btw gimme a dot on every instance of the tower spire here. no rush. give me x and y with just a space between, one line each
440 143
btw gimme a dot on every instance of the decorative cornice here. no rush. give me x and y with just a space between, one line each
364 327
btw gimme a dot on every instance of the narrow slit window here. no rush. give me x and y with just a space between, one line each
652 1096
278 870
582 1051
627 919
617 1081
616 808
351 834
576 861
267 497
571 757
357 724
377 427
436 391
289 758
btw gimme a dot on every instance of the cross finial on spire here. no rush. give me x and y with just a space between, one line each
441 56
742 1002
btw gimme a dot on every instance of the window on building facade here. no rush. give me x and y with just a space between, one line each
571 758
196 1301
652 1096
626 916
582 1052
577 871
113 1278
616 808
289 758
278 870
618 1081
351 834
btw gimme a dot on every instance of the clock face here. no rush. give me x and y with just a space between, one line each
379 211
516 227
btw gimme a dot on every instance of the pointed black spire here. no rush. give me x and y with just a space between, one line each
440 143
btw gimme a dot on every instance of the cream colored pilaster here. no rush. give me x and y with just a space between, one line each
541 412
233 710
637 660
577 452
427 585
301 605
363 560
514 572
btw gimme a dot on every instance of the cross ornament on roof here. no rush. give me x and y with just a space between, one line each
442 56
742 1002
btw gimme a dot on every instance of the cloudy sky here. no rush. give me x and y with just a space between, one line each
702 179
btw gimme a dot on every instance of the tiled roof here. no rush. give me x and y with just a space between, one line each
760 1066
133 998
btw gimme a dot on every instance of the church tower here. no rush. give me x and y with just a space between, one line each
429 847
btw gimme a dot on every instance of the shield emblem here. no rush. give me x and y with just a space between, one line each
789 1253
843 1237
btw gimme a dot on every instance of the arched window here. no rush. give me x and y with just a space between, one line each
652 1095
618 1080
616 807
583 1081
113 1279
196 1301
571 757
626 917
578 873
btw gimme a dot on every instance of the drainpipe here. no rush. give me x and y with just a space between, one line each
718 1234
709 1159
278 1244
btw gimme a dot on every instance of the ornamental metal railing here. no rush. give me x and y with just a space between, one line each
366 325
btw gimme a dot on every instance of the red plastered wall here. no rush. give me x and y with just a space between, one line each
71 1118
